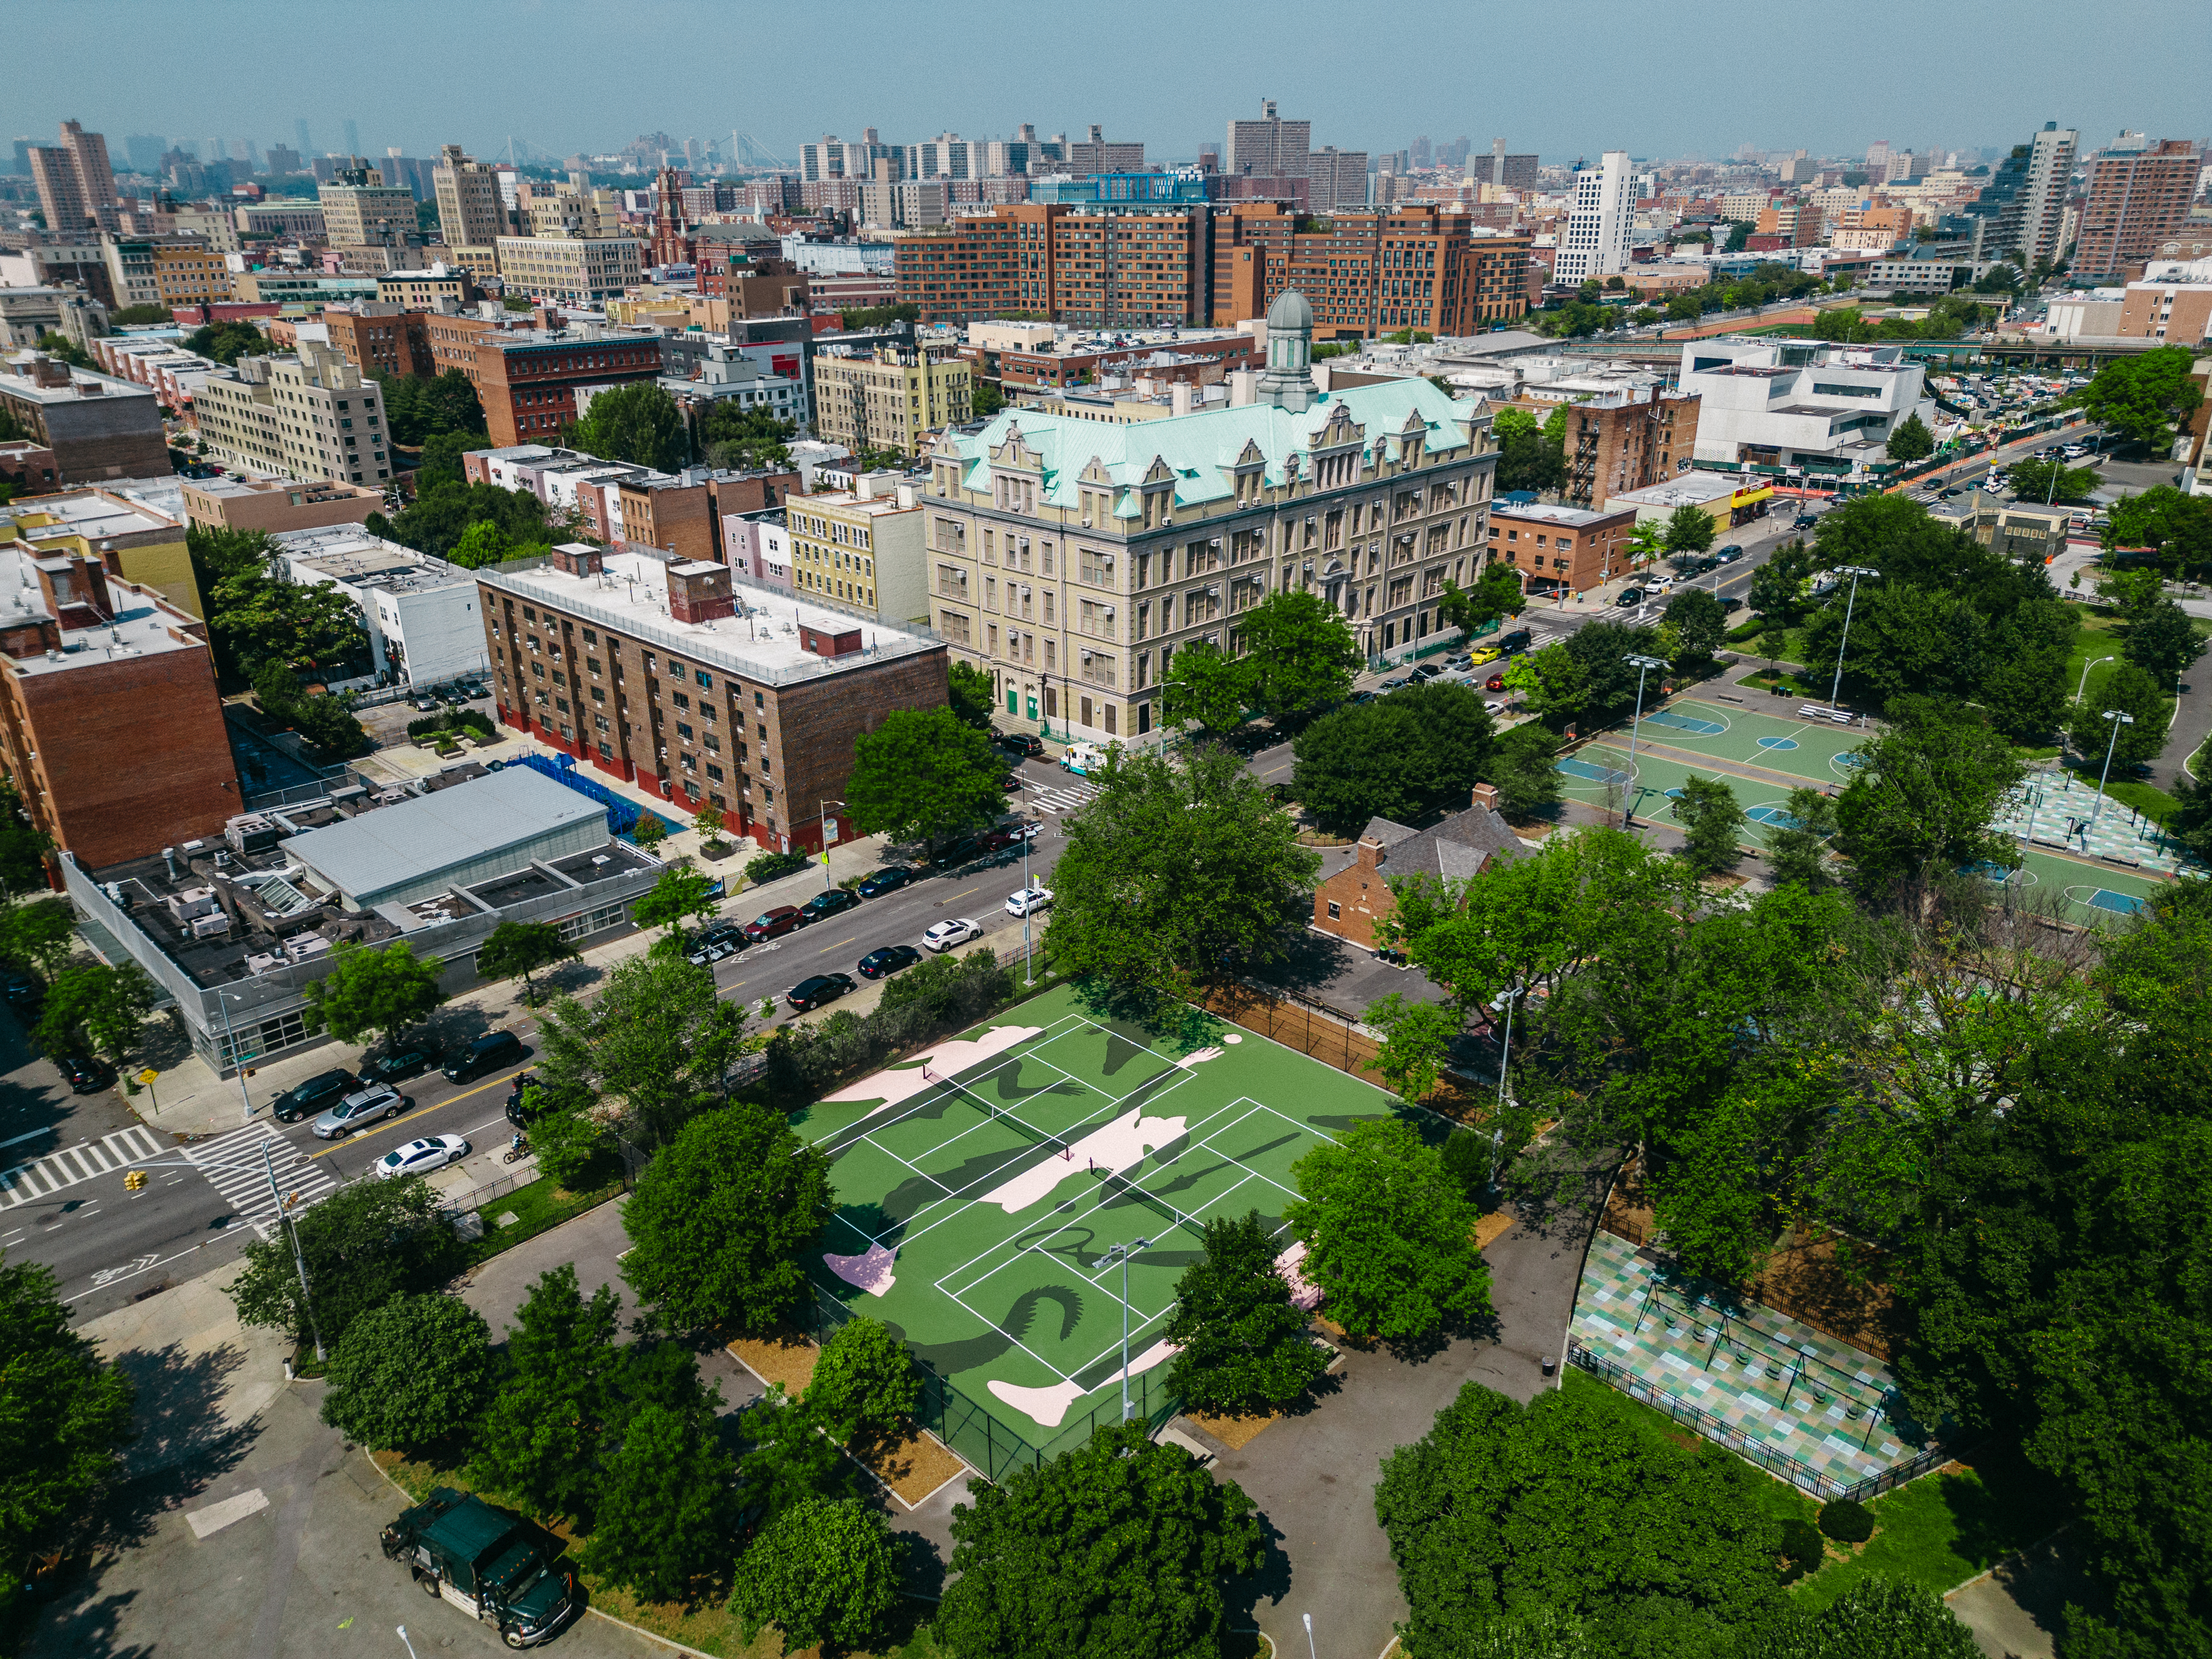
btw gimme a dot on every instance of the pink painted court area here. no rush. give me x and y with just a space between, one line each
975 1206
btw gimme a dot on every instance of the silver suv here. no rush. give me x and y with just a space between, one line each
358 1111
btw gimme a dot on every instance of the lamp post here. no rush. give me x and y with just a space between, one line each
828 835
2118 719
1643 666
1310 1641
269 1169
2084 683
1512 994
1854 571
237 1062
1122 1253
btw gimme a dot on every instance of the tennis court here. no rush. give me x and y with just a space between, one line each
981 1187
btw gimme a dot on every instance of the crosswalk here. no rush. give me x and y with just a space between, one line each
233 1166
1063 798
43 1176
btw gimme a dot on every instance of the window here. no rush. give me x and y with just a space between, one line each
1336 911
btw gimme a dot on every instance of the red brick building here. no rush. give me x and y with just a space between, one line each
528 378
1555 548
2136 201
1358 899
383 339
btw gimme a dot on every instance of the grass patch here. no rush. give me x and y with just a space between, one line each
1777 1500
1790 685
2046 752
540 1206
2147 799
1945 1527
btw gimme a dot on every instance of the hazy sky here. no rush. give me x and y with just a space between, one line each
1564 80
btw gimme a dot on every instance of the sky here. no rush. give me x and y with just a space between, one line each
1662 83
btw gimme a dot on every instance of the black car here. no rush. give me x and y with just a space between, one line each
518 1112
1804 521
1021 743
318 1092
1425 673
1629 596
486 1053
19 990
817 989
86 1076
889 960
967 847
1730 607
710 945
886 880
405 1060
1519 639
836 902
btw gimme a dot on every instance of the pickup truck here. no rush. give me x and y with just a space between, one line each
492 1565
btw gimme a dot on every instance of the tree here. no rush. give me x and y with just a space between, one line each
680 894
417 409
1689 530
924 774
1399 758
366 1243
1713 821
441 463
2176 527
373 992
652 830
521 948
970 695
639 423
717 1222
1566 1509
1389 1236
1876 1618
102 1008
1206 685
2142 396
542 1435
865 1387
484 543
2133 692
790 1461
655 1039
666 1505
1299 654
413 1373
1121 1547
1585 677
1178 872
568 1146
1530 456
41 934
1416 1040
1699 624
2162 641
253 618
1526 775
1496 593
64 1416
2052 480
1797 849
823 1573
1922 798
1912 440
1242 1344
141 316
226 343
23 851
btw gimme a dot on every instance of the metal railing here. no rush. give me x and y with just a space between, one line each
525 1172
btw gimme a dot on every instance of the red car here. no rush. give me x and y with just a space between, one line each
1495 682
772 924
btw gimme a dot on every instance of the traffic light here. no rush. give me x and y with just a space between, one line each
133 1180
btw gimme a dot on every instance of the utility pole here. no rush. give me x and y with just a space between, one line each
1854 571
1643 666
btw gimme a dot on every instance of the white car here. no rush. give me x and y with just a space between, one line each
946 934
1029 901
421 1156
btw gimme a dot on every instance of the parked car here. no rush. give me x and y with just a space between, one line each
1029 901
486 1053
1397 684
1730 607
86 1075
997 841
888 879
1804 521
358 1111
1425 673
1022 743
400 1062
714 943
21 991
889 960
1486 653
306 1099
836 902
421 1156
519 1111
1462 660
946 934
772 923
818 988
1629 596
1519 639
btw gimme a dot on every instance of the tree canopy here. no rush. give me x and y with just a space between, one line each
410 1374
823 1572
639 423
417 407
924 774
1910 440
371 992
2142 396
1299 653
655 1039
1402 757
1242 1346
365 1243
1206 687
1921 799
519 949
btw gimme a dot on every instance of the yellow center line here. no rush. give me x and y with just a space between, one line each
397 1122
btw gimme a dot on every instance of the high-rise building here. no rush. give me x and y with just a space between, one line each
352 137
1270 146
1511 171
360 210
1596 239
472 214
831 157
143 151
2043 202
76 186
1339 178
1093 155
309 416
2138 199
1420 151
282 158
299 134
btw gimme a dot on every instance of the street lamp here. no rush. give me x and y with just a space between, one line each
1309 1642
1854 571
1511 995
828 835
2084 684
2118 719
237 1061
1643 666
1122 1253
268 1169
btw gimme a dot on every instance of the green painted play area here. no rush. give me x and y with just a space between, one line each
980 1187
1761 756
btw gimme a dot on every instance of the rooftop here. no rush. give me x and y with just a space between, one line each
86 512
71 384
347 553
1687 489
413 839
1547 512
75 634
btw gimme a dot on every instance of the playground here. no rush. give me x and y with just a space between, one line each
1762 756
982 1188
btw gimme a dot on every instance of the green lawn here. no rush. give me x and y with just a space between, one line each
541 1205
2147 798
2099 636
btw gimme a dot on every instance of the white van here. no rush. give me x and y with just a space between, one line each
1082 758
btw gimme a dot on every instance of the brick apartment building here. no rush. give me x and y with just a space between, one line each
1356 900
647 671
2176 312
276 505
97 426
1418 265
1621 434
109 721
1555 548
2134 202
752 282
528 378
382 339
632 508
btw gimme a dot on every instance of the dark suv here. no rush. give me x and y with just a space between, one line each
1019 742
486 1053
401 1062
826 904
1518 639
315 1095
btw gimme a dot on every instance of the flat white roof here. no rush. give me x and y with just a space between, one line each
415 840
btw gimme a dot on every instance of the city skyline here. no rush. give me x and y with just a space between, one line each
937 83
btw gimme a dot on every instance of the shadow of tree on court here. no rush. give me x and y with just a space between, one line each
949 1359
1271 1583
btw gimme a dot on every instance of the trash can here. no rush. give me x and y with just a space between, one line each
1550 1364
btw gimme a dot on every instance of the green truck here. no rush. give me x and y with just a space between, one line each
490 1564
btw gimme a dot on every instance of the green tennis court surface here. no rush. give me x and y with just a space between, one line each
980 1187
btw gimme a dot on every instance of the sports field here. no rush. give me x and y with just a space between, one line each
1762 755
980 1187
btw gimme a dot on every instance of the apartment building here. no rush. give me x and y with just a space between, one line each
528 378
125 526
700 689
96 425
581 271
2136 200
861 551
1070 559
1624 430
360 210
1560 549
276 505
1421 265
379 338
76 184
312 414
2174 308
1268 145
419 612
110 723
438 286
1595 240
890 398
472 212
292 219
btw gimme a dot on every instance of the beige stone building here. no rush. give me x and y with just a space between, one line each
889 399
864 552
360 210
572 270
308 415
472 214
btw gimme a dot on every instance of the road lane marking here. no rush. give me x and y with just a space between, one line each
66 1167
117 1275
233 1166
387 1127
216 1516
